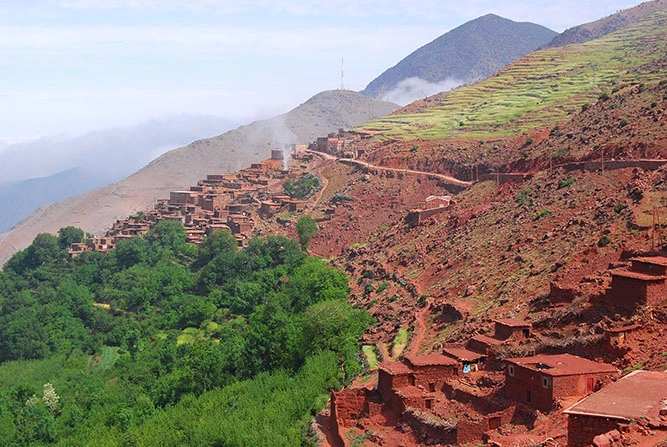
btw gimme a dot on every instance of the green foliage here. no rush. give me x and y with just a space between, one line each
306 228
107 331
565 183
604 241
623 123
216 243
303 187
414 149
522 197
542 213
585 106
619 207
69 235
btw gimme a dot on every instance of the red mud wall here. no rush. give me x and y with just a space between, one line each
626 293
431 378
582 429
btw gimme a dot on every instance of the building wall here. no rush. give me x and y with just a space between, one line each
656 293
582 429
504 332
648 268
472 430
626 293
387 383
542 397
431 378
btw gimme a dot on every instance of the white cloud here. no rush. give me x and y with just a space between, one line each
411 89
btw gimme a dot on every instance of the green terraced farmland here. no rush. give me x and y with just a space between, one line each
540 89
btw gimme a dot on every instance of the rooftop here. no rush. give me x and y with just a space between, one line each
635 275
657 260
640 394
464 355
562 365
513 322
395 368
430 360
487 340
412 391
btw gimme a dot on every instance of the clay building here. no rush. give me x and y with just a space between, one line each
467 359
437 202
618 335
639 396
511 327
541 381
431 371
643 283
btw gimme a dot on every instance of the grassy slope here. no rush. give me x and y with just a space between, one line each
540 89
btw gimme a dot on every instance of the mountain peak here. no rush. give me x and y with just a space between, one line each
472 51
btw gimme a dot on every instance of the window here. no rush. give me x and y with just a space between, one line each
510 370
546 382
529 397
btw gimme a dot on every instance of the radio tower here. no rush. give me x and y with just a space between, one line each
342 73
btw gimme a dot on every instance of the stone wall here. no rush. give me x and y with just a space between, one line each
582 429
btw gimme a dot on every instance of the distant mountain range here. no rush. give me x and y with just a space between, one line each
96 210
473 51
51 169
602 27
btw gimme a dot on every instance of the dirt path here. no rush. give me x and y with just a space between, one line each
363 164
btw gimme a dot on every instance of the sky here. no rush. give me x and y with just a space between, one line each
71 66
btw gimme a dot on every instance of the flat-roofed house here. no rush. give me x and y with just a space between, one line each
541 380
639 396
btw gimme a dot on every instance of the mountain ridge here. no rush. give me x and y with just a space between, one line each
467 53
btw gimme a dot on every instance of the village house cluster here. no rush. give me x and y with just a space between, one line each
230 202
468 393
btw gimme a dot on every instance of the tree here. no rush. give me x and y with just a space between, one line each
218 242
69 235
306 228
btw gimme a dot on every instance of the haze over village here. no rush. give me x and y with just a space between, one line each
333 224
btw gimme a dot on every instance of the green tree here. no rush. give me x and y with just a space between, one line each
218 242
306 228
69 235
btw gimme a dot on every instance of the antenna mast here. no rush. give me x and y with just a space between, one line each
342 73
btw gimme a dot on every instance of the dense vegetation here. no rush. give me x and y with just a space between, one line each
160 342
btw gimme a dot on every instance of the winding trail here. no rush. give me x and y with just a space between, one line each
351 161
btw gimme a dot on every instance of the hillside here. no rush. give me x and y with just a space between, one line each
606 25
468 53
97 210
497 122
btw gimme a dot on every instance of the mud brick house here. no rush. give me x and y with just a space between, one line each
644 283
437 202
641 396
431 371
617 335
511 327
540 381
467 359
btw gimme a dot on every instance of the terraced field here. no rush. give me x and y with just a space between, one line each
517 98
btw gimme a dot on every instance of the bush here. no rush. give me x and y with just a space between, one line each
303 187
604 241
542 213
623 123
565 183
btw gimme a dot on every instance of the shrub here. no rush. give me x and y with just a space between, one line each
603 96
522 198
414 149
620 207
623 123
529 141
542 213
585 106
604 241
565 183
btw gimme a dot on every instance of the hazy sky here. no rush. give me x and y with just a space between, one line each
69 66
